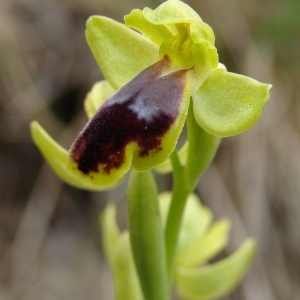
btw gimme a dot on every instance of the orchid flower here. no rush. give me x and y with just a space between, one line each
161 71
137 113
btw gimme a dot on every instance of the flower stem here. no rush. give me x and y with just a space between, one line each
176 209
202 149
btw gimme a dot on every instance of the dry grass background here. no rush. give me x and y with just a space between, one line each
49 236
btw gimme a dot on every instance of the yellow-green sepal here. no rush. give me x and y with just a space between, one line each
211 281
120 52
227 104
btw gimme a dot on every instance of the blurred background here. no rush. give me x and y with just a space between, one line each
50 245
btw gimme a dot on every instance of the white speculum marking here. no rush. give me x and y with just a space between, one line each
142 110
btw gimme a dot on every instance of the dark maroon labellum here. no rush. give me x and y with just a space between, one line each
142 111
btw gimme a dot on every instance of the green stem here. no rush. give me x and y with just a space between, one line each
202 149
176 209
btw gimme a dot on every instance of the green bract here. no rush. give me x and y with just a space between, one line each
138 112
147 236
199 241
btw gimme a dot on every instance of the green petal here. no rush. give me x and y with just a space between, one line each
147 236
166 166
204 247
100 92
200 32
156 33
58 158
171 12
217 279
120 52
227 104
